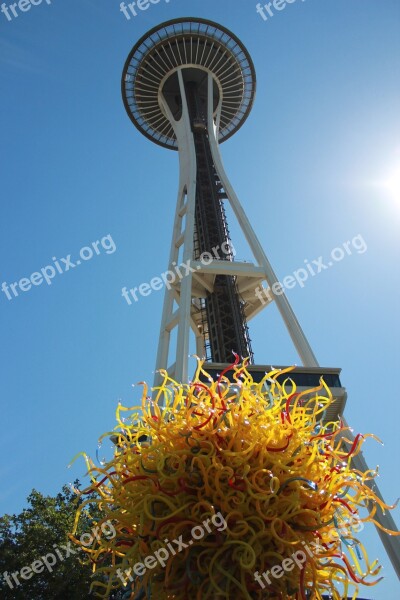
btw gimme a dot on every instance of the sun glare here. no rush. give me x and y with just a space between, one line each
392 184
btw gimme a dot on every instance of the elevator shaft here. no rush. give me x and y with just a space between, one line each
226 326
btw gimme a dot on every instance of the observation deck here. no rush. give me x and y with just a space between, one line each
199 47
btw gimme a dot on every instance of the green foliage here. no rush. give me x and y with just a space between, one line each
37 531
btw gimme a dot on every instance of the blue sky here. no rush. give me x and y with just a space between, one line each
310 166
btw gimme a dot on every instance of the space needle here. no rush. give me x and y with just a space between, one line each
188 85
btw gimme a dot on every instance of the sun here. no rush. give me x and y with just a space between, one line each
392 184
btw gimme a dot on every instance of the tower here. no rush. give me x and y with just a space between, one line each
188 85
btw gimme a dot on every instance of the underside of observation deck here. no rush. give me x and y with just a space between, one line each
187 42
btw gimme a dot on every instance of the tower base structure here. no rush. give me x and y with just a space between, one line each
305 378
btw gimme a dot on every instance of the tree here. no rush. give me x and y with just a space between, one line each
35 551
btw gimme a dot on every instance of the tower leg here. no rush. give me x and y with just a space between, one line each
185 208
296 333
391 543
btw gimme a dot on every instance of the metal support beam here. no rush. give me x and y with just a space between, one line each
391 543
